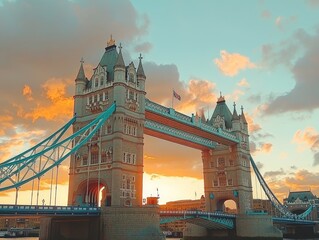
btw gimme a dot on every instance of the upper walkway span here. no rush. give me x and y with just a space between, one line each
168 124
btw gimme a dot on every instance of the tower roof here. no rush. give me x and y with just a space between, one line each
304 196
120 60
81 74
140 70
223 111
109 58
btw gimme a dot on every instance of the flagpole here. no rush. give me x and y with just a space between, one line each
173 98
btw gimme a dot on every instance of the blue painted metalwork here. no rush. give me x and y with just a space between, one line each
271 196
42 145
191 121
293 221
48 210
222 220
179 134
49 153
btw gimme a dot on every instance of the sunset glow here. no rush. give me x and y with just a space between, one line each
264 57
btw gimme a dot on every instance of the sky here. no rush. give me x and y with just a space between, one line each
263 55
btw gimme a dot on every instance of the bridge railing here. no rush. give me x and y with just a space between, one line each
199 213
193 121
48 210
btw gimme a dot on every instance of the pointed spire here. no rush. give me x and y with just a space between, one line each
140 70
110 42
81 74
202 115
243 115
120 60
221 98
235 115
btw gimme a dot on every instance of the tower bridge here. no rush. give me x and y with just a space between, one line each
112 115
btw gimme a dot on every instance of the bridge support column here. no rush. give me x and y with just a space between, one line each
75 228
256 227
193 231
131 223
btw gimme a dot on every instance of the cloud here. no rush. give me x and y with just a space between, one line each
18 140
281 182
197 94
283 22
252 126
266 147
231 63
168 159
27 92
243 83
313 3
303 96
316 159
274 174
309 138
57 106
143 47
266 14
254 98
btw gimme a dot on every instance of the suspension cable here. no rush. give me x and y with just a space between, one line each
56 184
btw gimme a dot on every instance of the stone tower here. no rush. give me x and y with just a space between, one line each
109 169
227 168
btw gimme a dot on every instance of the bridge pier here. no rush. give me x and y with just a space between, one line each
252 227
67 228
256 227
131 223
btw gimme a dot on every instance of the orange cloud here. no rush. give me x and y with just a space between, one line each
266 147
309 138
199 94
27 92
5 123
57 105
281 183
252 126
231 63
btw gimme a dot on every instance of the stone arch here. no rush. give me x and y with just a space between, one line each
227 205
91 193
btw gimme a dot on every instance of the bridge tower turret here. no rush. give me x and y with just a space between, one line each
112 162
227 168
80 83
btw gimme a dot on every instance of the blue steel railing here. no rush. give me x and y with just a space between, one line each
177 116
222 219
48 210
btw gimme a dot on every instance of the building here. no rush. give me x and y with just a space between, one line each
184 205
264 205
19 222
111 164
227 168
300 201
178 227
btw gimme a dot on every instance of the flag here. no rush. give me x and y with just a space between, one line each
176 95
